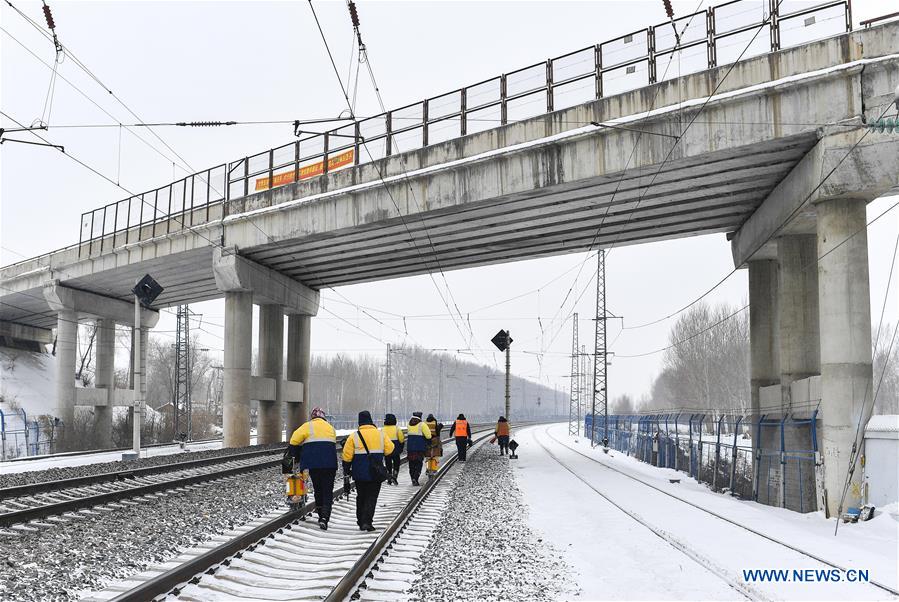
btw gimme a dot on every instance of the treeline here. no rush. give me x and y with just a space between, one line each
427 381
707 366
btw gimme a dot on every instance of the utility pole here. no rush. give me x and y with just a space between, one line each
508 413
574 404
388 405
182 403
583 384
440 389
600 359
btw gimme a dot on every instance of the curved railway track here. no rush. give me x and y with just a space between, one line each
26 503
281 556
737 585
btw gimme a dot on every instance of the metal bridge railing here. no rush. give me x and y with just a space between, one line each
714 37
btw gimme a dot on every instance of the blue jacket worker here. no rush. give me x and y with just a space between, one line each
314 445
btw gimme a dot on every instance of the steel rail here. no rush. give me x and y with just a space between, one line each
186 572
27 514
743 589
108 450
119 475
348 584
829 563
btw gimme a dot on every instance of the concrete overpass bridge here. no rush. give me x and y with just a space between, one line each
773 150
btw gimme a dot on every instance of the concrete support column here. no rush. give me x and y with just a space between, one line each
799 332
105 378
299 331
764 347
764 371
238 360
845 321
66 343
271 361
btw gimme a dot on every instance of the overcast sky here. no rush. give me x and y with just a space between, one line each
265 61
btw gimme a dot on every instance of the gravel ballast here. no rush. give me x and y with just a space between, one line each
483 548
66 561
15 479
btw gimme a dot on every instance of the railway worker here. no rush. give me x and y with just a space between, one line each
435 445
363 458
417 436
461 430
502 435
314 445
395 434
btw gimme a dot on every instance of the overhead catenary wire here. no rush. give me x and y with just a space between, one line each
183 124
387 189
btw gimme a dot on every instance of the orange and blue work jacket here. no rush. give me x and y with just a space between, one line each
316 445
354 452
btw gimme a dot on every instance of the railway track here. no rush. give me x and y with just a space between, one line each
742 588
281 556
24 507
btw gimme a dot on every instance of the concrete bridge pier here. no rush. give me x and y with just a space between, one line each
845 318
238 360
66 344
244 283
105 379
298 362
270 424
72 305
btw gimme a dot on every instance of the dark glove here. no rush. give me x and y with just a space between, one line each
469 443
347 469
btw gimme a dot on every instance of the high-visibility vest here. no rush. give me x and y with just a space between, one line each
502 429
461 428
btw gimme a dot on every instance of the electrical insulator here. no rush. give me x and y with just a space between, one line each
668 10
354 16
49 17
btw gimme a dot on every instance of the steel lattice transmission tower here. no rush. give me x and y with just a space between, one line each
182 406
600 359
574 404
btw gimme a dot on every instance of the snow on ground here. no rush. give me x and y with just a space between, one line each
620 559
46 462
483 548
27 380
88 552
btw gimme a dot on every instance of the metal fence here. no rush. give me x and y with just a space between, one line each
709 38
20 436
778 470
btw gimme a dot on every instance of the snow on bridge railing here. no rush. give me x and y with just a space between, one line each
709 38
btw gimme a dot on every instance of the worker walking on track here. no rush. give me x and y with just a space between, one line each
395 434
461 430
435 445
314 446
363 458
502 435
417 436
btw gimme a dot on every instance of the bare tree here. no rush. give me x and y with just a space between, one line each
886 371
707 365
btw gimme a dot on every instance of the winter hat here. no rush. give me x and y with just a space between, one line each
365 418
317 412
389 419
416 414
431 418
460 417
